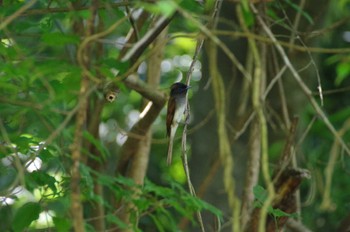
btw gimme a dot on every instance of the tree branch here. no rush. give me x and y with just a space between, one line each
147 91
136 51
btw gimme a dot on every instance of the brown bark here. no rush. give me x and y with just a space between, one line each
135 152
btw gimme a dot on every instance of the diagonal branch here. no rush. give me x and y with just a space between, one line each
147 91
132 143
136 51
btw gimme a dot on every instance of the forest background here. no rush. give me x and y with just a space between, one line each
83 92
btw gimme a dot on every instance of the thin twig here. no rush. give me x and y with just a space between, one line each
301 83
265 39
211 35
88 40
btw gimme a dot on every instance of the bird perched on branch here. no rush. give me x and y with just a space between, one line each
176 109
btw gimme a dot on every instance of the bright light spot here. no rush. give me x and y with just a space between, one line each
185 61
120 42
346 36
179 77
146 109
136 13
114 71
121 138
7 42
166 66
45 219
196 75
34 165
21 192
176 60
197 64
7 161
133 117
6 201
103 130
142 68
35 148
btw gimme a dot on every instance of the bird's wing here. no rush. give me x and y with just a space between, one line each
170 115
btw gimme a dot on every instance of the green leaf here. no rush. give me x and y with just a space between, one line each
62 224
165 7
126 181
115 220
59 39
209 207
86 180
343 72
260 193
158 190
25 215
46 23
280 213
248 16
157 223
97 143
41 178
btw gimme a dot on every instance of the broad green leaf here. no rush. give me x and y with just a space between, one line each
62 224
343 72
42 178
25 215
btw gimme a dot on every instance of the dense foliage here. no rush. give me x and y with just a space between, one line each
60 59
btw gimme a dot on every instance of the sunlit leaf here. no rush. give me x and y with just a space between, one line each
41 178
343 72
